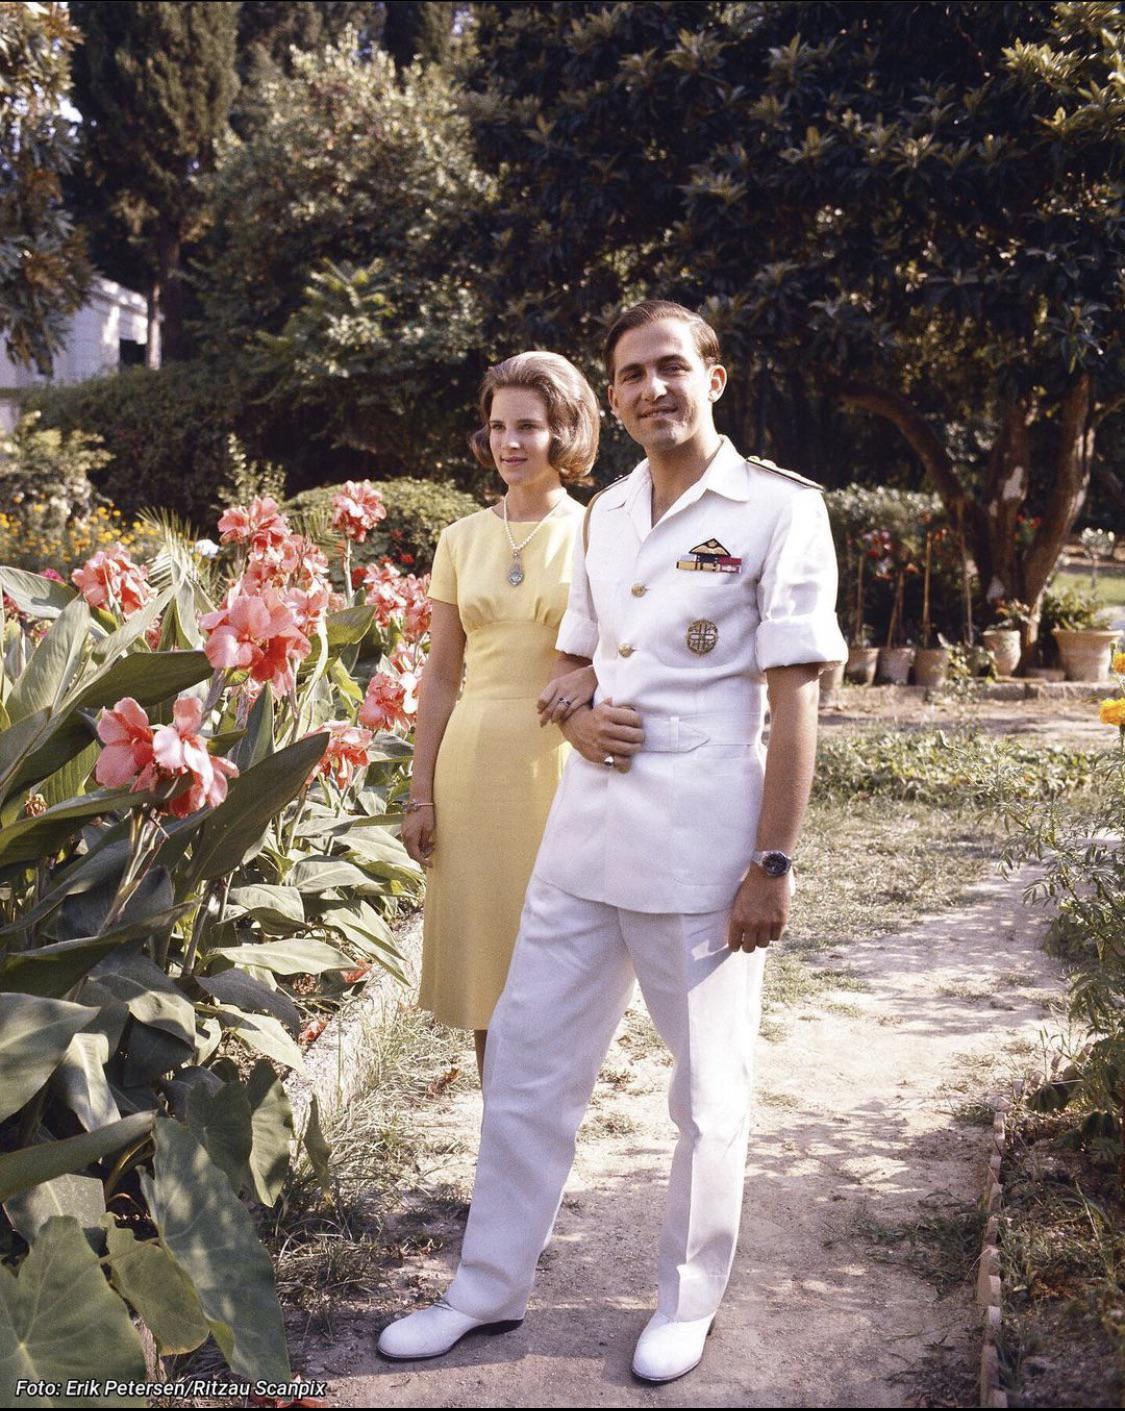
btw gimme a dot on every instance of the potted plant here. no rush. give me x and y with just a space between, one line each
930 663
895 657
1003 638
1079 625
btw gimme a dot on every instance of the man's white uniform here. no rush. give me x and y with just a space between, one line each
638 870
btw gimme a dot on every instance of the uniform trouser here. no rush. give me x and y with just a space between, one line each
570 980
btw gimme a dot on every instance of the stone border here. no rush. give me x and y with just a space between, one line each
989 1285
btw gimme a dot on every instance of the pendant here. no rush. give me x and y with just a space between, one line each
515 573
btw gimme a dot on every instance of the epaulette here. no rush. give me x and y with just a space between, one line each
780 470
590 505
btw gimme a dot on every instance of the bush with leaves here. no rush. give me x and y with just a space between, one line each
198 804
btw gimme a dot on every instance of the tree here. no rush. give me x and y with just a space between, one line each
919 203
418 30
43 269
328 282
154 82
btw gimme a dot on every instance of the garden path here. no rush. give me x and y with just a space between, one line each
860 1133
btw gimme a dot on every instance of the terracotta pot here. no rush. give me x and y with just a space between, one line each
1085 653
930 665
831 679
861 664
894 665
1004 644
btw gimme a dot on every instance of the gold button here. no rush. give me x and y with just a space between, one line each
625 650
639 590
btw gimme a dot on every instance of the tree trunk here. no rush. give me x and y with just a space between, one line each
1006 570
168 255
152 328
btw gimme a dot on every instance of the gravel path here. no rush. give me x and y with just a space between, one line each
859 1134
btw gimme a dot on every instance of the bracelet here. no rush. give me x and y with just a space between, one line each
413 805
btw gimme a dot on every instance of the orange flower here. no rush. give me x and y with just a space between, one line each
1119 663
1113 712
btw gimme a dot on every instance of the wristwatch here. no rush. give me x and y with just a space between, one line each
773 863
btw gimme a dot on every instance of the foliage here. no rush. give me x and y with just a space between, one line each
327 279
417 512
931 193
167 432
945 768
154 83
43 270
1071 607
164 868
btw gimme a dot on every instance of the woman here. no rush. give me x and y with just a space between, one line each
484 772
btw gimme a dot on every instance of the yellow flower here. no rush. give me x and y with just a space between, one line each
1112 712
1119 663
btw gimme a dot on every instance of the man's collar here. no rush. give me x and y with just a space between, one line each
725 475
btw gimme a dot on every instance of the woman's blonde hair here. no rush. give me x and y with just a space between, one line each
572 410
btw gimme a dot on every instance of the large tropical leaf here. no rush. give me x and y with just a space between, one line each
52 970
297 956
48 674
134 627
146 1274
80 1196
263 1033
152 997
32 593
80 1080
28 1166
60 1320
255 797
208 1232
33 838
236 987
34 1036
220 1120
257 743
274 908
271 1120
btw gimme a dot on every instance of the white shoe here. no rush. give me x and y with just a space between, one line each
668 1349
433 1331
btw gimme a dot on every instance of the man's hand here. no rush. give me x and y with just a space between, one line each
606 730
760 910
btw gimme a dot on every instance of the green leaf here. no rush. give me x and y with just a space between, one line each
52 970
16 743
322 874
262 1033
158 1289
319 1152
255 798
151 1053
297 956
33 838
34 1036
271 1120
134 627
272 907
37 596
80 1196
152 997
257 743
31 1165
48 674
149 677
60 1320
235 987
221 1121
68 782
348 626
81 1081
208 1232
341 678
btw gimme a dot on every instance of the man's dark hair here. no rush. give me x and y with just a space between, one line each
652 311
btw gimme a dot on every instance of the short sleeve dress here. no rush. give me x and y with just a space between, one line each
497 770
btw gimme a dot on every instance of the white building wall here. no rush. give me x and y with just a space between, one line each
91 346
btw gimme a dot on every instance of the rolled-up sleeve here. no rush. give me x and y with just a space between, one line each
578 631
797 589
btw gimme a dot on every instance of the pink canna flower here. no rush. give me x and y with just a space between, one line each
347 751
261 527
384 704
111 579
127 737
255 632
416 616
383 582
357 509
180 749
309 609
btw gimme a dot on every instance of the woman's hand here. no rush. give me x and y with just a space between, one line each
418 829
564 695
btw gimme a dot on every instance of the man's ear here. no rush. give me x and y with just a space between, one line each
611 398
718 377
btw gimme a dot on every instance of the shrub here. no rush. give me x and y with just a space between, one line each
166 433
417 512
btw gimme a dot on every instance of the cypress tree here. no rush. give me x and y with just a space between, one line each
418 29
154 83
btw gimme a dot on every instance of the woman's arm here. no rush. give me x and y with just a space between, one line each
563 695
437 695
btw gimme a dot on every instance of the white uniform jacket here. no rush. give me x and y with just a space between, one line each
681 619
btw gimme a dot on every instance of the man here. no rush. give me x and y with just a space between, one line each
667 853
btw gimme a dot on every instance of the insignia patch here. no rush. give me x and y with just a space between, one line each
710 557
702 636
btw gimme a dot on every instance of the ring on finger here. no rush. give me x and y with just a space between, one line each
609 762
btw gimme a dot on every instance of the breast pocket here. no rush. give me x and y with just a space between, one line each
707 619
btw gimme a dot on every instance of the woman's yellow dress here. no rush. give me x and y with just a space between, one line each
497 769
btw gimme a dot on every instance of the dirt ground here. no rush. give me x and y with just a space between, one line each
867 1160
1053 720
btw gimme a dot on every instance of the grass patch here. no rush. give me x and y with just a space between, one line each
941 1246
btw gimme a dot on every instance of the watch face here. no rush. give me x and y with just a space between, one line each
775 864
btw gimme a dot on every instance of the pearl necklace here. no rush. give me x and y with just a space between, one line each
515 574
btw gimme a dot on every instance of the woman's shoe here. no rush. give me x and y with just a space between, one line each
431 1332
668 1349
